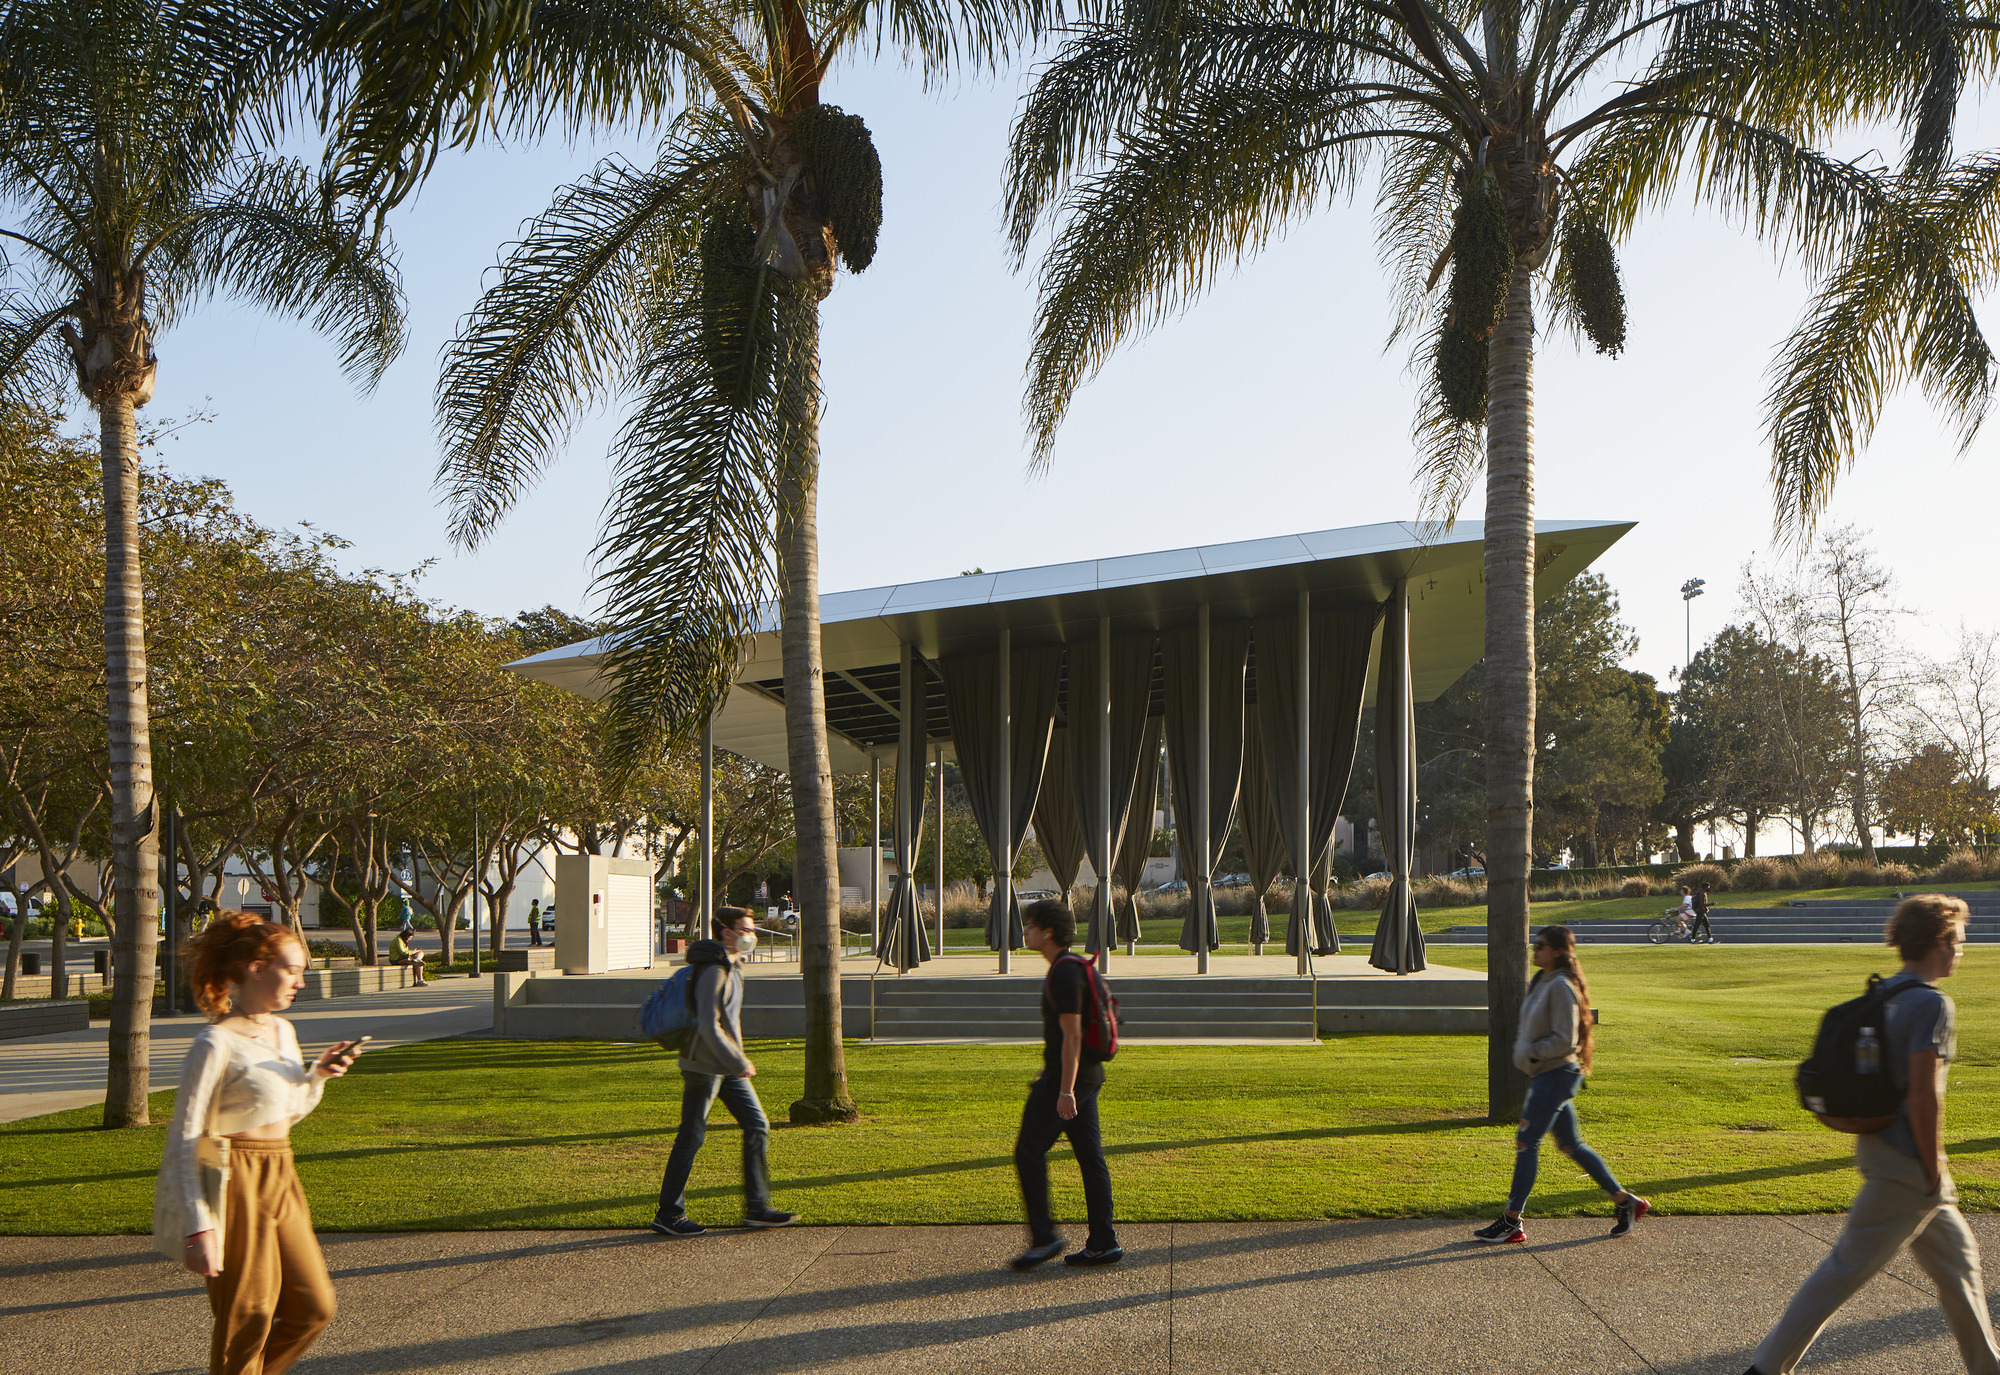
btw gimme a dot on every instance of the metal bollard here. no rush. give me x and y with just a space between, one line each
31 963
101 960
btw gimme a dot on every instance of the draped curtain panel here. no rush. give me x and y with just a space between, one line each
1263 833
1181 667
971 694
1058 828
1341 638
1131 694
1137 841
1399 936
906 943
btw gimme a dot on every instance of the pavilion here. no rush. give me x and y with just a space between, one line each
1054 688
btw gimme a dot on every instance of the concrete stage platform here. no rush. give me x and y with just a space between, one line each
1245 999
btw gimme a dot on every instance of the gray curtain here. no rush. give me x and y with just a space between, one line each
1137 841
1131 695
1341 639
971 695
1399 936
1263 835
1181 669
906 943
1058 828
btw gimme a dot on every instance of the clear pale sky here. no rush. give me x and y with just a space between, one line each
1268 408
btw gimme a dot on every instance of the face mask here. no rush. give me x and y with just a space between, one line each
742 942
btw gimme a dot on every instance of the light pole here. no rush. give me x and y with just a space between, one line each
1689 591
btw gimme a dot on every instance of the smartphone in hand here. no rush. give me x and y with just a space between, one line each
346 1056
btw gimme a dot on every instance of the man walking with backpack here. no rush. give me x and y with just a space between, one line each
1906 1189
712 1064
1079 1034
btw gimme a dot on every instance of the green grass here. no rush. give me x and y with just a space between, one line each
1691 1104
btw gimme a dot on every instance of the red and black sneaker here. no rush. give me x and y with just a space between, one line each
1628 1214
1502 1228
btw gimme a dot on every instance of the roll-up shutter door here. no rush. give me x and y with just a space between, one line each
628 921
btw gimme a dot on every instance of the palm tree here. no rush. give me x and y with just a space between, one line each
1169 140
694 286
127 200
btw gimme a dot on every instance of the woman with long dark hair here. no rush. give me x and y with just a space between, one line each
1554 1048
245 1082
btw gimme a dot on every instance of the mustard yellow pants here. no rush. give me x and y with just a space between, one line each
274 1296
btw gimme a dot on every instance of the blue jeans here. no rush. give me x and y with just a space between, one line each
1549 1106
698 1093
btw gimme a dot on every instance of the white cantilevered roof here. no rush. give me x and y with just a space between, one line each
861 633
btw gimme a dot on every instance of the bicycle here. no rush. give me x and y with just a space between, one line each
1674 925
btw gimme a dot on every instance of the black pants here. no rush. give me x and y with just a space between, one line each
1040 1129
1701 927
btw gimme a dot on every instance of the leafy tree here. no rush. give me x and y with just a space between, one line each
1930 796
127 201
1166 143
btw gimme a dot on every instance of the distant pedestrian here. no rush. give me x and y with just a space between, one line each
402 952
1062 1101
246 1081
1703 932
1907 1194
713 1064
1554 1049
535 922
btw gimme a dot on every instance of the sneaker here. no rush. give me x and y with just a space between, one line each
1111 1255
682 1226
1502 1228
1628 1213
770 1217
1038 1255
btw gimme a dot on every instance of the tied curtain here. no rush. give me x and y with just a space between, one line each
1263 833
1137 841
1058 828
972 700
1337 660
905 942
1399 936
1181 669
1131 695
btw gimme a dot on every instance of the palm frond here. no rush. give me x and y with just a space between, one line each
35 368
556 333
1898 309
1414 203
1450 452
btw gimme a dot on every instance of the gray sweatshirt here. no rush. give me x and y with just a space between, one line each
714 1043
1551 1030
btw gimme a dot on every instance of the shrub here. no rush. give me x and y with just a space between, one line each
1895 876
1635 888
1444 892
1756 875
1961 866
1819 871
1714 875
1860 876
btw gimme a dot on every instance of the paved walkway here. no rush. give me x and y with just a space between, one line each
1687 1296
41 1074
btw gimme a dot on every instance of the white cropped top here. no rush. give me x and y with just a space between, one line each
251 1085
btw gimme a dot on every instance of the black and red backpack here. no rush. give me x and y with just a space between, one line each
1100 1028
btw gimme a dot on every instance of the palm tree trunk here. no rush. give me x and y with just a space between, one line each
134 837
1510 682
817 874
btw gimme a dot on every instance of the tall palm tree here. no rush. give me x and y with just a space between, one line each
125 199
1172 138
694 286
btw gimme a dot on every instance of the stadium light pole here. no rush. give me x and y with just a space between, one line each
1689 591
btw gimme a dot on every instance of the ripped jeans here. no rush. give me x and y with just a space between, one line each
1549 1106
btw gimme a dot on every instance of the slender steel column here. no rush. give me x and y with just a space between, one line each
909 805
704 907
1107 836
1198 891
1301 864
875 854
937 854
1003 858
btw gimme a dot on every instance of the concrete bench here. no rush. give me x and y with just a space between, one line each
43 1019
529 957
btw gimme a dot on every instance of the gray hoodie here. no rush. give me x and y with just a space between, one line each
714 1043
1551 1026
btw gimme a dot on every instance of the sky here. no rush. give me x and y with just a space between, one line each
1269 407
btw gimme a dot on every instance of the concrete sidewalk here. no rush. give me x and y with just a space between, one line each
41 1074
1686 1296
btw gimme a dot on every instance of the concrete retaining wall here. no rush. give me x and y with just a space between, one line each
42 1019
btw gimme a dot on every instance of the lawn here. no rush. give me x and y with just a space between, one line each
1691 1104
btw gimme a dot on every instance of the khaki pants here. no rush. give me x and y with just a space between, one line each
1892 1208
273 1297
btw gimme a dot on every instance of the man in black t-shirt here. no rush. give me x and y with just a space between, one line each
1063 1099
1703 932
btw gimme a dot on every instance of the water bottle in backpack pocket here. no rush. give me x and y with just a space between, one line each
1845 1082
669 1010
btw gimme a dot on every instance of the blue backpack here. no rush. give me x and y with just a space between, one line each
669 1011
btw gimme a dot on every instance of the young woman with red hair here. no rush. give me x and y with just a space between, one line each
246 1080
